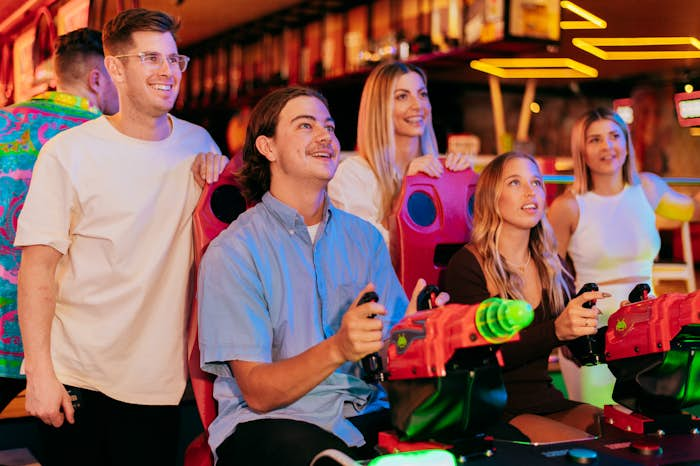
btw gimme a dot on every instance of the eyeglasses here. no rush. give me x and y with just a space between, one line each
154 60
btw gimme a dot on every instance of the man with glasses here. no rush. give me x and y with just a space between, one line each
105 276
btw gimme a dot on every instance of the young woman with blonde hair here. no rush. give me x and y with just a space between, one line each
395 138
606 224
512 255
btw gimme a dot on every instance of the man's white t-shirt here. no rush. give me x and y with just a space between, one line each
119 209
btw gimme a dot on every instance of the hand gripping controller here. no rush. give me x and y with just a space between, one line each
589 350
372 369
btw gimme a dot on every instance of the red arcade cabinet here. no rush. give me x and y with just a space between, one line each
432 221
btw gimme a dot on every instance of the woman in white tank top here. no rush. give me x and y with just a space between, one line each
606 224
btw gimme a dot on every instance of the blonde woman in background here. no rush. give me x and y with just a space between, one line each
395 138
606 224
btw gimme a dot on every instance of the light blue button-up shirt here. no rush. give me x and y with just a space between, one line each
267 292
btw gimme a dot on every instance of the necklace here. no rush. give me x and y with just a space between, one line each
521 267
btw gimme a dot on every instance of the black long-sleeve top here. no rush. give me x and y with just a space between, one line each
525 375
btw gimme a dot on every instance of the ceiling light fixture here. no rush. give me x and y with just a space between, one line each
534 68
593 46
591 21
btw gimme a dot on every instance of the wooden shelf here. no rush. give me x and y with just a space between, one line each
15 409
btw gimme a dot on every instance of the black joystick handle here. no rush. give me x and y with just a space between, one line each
369 297
589 350
585 289
372 368
639 293
426 298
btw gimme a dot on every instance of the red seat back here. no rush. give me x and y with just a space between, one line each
432 221
219 205
547 166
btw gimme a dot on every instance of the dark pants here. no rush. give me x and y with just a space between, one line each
108 432
9 389
277 442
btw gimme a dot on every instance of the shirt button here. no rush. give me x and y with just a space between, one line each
291 232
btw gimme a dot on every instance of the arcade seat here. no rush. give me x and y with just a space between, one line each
431 222
218 206
548 167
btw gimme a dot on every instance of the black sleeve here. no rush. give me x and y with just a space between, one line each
536 341
466 284
539 339
464 279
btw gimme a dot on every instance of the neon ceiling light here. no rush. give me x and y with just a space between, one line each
593 45
591 21
534 68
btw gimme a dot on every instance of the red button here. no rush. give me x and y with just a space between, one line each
646 447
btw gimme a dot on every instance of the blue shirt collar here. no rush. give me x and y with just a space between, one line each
289 217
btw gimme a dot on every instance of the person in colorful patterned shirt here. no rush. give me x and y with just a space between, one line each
84 91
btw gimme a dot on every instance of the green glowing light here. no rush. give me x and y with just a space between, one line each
499 319
416 458
402 341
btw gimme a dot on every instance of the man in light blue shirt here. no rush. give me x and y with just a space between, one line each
279 323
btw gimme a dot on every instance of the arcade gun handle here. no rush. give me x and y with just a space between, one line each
589 350
421 344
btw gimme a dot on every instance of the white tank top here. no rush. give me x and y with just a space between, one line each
616 236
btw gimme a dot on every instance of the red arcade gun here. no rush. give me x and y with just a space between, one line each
651 347
442 372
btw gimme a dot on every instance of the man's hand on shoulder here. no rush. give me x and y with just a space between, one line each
207 167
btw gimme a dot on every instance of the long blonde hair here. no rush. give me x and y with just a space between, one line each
375 129
582 174
488 224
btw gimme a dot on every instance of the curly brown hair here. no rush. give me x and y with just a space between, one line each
254 176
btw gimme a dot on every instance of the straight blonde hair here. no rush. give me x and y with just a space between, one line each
488 224
582 174
375 129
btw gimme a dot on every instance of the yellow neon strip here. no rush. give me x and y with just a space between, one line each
632 41
695 131
534 68
585 46
578 25
592 21
592 45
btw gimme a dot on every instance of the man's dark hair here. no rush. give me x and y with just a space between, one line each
254 176
116 34
73 50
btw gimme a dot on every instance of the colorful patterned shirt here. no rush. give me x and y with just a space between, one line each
24 128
